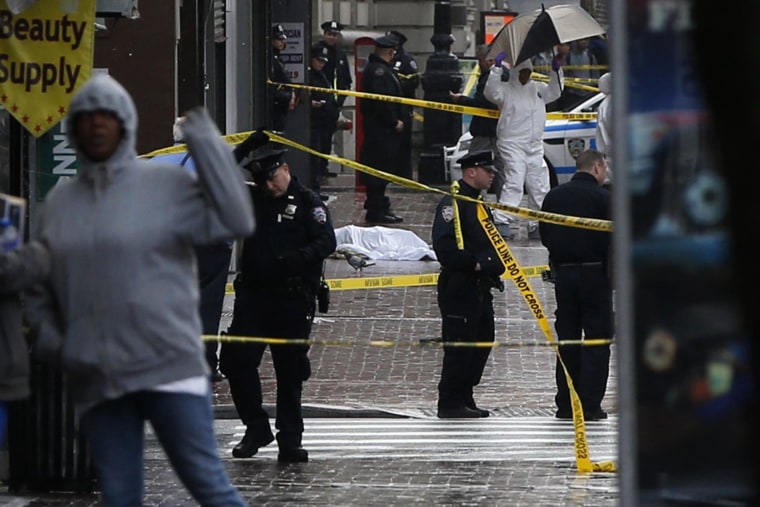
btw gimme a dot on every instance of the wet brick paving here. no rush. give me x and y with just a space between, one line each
357 377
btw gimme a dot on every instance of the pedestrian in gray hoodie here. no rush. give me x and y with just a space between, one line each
19 270
120 314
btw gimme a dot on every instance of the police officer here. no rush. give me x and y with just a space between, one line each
336 68
280 270
579 262
324 114
405 68
383 124
468 273
284 96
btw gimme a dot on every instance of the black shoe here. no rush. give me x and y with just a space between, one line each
483 412
595 415
330 174
564 414
397 218
249 446
216 376
324 197
383 219
458 413
293 455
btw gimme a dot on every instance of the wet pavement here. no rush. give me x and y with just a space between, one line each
369 362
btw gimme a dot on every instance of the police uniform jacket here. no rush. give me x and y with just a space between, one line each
477 246
327 115
336 69
294 235
408 75
582 196
480 125
380 117
282 94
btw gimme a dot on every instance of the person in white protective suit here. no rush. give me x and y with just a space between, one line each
519 135
604 123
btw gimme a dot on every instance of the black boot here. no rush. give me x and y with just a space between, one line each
250 445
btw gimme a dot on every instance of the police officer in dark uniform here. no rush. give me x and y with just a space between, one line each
383 124
275 290
579 263
405 68
468 273
324 114
284 96
336 68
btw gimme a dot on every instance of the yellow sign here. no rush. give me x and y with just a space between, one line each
45 57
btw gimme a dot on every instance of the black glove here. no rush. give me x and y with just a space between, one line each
504 75
257 139
292 263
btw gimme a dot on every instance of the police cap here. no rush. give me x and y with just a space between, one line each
320 52
386 41
278 32
332 26
400 37
482 159
264 163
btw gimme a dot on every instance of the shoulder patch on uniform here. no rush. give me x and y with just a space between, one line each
319 214
413 64
447 213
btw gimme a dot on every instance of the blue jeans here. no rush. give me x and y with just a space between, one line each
184 425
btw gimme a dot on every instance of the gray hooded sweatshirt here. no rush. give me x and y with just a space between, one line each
120 313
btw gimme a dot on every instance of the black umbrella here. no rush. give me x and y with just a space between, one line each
530 33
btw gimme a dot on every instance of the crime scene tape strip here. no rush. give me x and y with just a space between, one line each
384 282
429 104
571 82
432 343
512 267
582 222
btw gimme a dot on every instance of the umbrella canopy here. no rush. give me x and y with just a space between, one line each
530 33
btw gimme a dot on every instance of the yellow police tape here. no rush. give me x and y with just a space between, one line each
581 222
439 106
423 342
515 272
384 282
554 218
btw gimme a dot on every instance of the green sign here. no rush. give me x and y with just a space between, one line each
56 159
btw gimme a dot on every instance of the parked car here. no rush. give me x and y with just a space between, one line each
564 140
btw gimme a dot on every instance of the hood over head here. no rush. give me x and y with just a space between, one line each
104 93
605 83
525 64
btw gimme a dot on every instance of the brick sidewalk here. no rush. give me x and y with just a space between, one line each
362 378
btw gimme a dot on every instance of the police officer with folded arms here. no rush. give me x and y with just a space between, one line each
468 273
275 291
383 125
579 260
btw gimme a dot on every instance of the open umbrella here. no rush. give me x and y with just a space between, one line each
530 33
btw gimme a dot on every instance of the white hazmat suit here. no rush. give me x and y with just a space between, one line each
604 122
520 132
